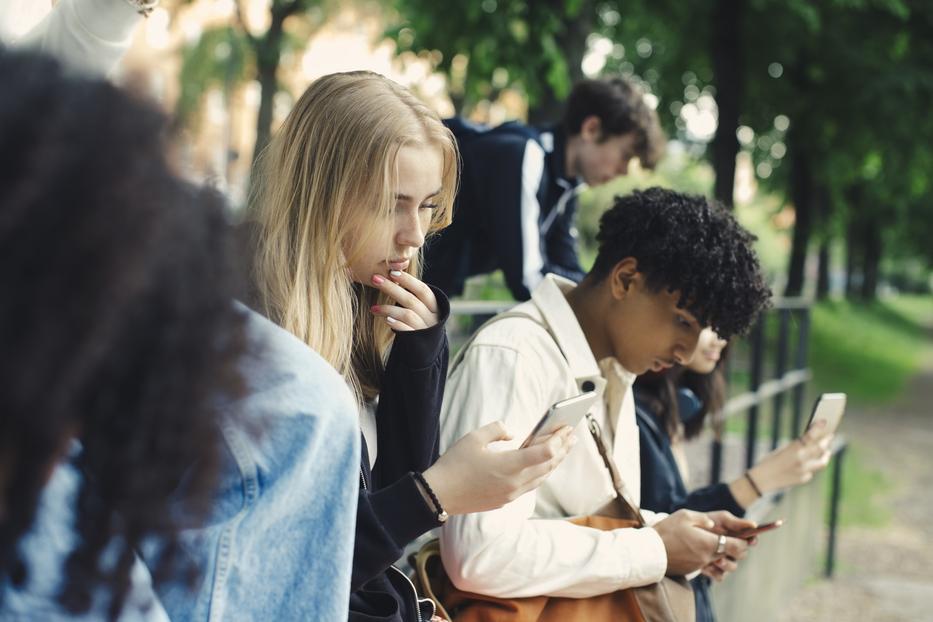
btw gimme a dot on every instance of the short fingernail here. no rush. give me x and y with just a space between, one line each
374 308
390 320
395 273
378 280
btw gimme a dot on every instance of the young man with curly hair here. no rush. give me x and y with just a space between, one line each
516 205
668 266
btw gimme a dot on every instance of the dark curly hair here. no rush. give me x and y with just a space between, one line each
116 320
691 245
621 108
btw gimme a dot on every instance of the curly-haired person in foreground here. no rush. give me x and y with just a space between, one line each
668 266
117 333
141 407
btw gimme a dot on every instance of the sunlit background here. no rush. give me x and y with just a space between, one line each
811 118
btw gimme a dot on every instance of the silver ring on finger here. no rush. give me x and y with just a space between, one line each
721 546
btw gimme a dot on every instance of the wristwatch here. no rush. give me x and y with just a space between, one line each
143 7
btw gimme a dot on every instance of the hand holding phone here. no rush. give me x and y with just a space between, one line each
829 407
566 412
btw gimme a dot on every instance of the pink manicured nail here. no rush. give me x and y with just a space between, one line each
374 308
378 280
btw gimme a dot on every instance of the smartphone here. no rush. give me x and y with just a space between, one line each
829 407
565 412
750 533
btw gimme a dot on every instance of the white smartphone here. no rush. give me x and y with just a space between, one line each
565 412
829 408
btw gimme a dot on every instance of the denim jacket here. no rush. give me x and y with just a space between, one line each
279 539
45 549
278 544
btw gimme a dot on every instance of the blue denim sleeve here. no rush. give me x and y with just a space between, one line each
279 541
45 550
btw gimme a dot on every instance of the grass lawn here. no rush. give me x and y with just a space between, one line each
868 351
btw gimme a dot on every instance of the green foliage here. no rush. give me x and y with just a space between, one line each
865 490
221 57
476 41
868 351
226 56
687 174
852 76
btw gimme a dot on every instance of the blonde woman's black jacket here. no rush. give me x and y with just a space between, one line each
391 511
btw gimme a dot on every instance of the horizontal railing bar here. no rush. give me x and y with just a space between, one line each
768 389
491 307
480 307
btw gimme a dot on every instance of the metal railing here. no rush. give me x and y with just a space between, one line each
788 344
776 363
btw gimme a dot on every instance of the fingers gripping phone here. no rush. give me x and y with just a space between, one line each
565 412
829 408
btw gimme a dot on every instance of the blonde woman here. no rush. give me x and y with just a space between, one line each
359 174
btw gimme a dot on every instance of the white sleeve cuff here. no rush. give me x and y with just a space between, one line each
653 518
645 558
112 21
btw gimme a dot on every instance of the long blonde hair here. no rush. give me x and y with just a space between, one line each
329 173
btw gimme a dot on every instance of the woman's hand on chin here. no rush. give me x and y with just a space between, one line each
417 305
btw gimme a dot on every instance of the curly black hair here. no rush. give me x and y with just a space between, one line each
116 320
620 106
691 245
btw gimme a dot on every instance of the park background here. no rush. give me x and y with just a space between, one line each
811 119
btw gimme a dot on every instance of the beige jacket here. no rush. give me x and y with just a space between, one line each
513 371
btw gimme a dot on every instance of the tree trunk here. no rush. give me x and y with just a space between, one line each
853 240
852 251
802 193
822 274
571 41
872 259
727 57
823 269
268 56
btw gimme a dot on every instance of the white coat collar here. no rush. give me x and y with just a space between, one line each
550 297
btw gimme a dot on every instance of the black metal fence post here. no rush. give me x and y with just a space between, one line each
800 362
835 495
757 352
780 369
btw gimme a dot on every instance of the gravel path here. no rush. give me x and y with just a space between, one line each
885 574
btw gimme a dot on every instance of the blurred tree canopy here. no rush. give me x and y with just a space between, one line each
229 55
488 45
829 98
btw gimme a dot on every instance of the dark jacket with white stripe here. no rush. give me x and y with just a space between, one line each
514 211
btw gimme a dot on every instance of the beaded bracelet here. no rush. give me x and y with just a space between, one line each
441 515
